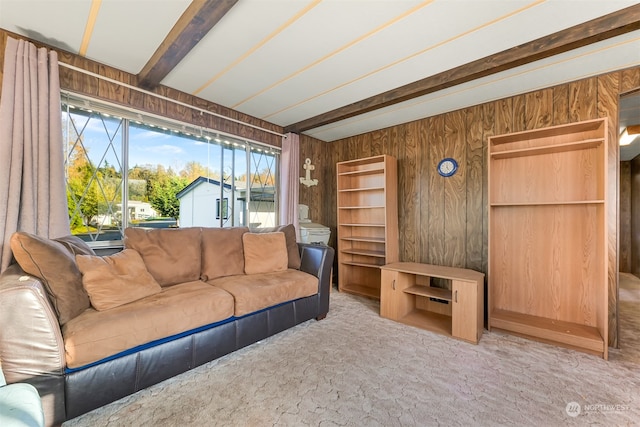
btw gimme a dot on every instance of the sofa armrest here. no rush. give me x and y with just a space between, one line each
31 345
318 260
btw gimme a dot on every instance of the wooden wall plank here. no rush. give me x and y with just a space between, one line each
582 100
560 104
607 89
436 194
424 176
519 120
377 142
455 199
504 116
409 189
488 129
474 125
635 216
629 80
624 255
539 109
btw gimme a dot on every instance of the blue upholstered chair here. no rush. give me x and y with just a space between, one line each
20 405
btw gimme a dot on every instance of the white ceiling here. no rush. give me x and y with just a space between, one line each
285 61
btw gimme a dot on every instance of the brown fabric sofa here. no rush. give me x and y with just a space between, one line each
87 330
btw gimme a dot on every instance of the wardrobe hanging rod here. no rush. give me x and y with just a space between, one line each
184 104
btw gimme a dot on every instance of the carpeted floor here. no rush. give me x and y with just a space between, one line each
357 369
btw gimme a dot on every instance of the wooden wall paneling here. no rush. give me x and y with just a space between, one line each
519 120
630 80
488 129
409 194
178 111
582 100
455 199
474 127
504 116
424 169
377 142
607 90
539 109
111 91
635 216
436 194
79 82
624 254
560 104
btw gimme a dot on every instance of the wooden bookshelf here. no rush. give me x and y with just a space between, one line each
548 235
367 222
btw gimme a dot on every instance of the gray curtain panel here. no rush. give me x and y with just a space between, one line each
32 187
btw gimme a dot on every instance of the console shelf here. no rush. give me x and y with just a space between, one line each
407 297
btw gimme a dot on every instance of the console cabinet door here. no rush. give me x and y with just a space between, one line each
464 311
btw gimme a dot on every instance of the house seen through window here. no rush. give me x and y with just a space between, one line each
127 169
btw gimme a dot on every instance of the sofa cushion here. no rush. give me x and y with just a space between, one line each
258 291
293 252
222 252
95 335
114 280
53 261
264 252
172 255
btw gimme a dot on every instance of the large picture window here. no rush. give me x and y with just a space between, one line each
128 169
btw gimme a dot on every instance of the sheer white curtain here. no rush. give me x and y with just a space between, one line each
289 181
32 189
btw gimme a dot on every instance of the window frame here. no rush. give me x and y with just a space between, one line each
214 137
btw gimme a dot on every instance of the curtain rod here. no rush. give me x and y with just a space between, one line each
98 76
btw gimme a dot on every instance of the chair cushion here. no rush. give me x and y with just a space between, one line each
257 291
114 280
53 261
95 335
264 252
172 255
222 252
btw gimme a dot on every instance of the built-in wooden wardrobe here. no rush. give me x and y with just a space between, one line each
548 260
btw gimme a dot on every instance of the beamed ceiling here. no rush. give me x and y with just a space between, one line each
336 68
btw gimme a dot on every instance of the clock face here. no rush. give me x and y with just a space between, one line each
447 167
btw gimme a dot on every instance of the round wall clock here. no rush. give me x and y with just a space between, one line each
447 167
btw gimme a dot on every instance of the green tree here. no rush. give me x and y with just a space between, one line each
163 195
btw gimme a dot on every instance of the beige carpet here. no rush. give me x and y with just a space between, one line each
357 369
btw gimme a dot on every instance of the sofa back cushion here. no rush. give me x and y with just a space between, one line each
53 262
264 252
222 252
293 252
115 280
171 255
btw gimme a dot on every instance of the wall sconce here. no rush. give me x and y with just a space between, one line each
306 180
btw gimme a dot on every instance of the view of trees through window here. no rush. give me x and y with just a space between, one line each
124 170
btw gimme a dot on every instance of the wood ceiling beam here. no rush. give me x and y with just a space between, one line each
605 27
196 21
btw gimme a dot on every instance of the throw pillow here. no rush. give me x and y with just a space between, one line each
293 252
53 262
264 252
172 255
115 280
222 252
